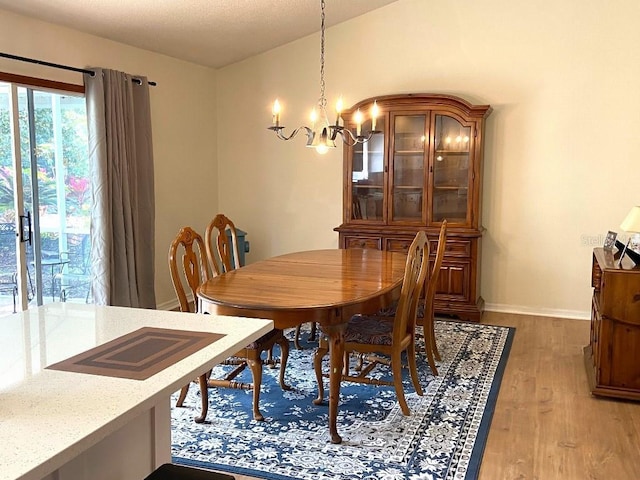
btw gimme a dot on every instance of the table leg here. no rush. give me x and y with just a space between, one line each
336 353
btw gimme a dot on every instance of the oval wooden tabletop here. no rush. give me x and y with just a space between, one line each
311 281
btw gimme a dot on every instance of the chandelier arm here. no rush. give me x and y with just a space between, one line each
278 131
345 134
348 137
367 137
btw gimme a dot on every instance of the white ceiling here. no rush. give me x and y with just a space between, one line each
214 33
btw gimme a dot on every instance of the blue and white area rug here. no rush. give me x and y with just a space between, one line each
443 438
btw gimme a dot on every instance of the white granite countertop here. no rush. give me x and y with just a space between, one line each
48 417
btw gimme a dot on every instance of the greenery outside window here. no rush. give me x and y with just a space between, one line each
55 191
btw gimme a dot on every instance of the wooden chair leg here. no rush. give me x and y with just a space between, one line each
322 350
396 369
434 345
284 357
183 395
359 362
204 397
270 361
429 352
413 368
255 364
346 357
296 339
314 331
312 335
428 345
429 331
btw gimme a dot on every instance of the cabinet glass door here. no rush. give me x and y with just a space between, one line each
407 180
367 176
451 170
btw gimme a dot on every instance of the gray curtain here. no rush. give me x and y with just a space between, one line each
123 215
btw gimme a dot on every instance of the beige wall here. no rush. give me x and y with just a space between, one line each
562 146
183 119
560 166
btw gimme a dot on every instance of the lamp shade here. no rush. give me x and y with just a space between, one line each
631 223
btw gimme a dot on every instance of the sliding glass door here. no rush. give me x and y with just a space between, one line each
44 198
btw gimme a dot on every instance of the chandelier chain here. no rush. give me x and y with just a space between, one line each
322 134
322 101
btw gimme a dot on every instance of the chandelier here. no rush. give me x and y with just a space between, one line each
321 135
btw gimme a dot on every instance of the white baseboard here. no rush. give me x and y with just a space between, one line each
489 307
542 312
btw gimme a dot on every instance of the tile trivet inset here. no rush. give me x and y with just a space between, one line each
139 354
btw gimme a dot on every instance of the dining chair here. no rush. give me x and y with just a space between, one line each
221 242
74 269
368 335
8 274
426 312
428 323
223 251
192 271
9 283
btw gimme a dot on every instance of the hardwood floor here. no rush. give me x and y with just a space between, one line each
546 424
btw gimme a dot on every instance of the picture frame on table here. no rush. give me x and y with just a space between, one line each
610 241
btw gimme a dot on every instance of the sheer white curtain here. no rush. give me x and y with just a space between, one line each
123 215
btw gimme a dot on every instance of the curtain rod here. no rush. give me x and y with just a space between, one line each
63 67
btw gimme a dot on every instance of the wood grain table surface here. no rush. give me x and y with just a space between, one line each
323 286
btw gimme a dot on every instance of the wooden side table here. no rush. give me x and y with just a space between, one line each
611 359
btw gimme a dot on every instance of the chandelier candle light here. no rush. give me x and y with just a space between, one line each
321 135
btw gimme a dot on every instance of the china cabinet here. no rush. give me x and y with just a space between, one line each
424 166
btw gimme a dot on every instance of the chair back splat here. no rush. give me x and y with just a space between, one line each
412 285
226 256
195 269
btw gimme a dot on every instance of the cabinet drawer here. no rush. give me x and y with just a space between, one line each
454 247
398 244
374 243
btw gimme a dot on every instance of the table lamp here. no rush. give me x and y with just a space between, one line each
631 224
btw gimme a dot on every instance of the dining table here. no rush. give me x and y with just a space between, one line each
324 286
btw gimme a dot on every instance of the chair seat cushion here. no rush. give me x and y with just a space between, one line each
265 339
369 329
